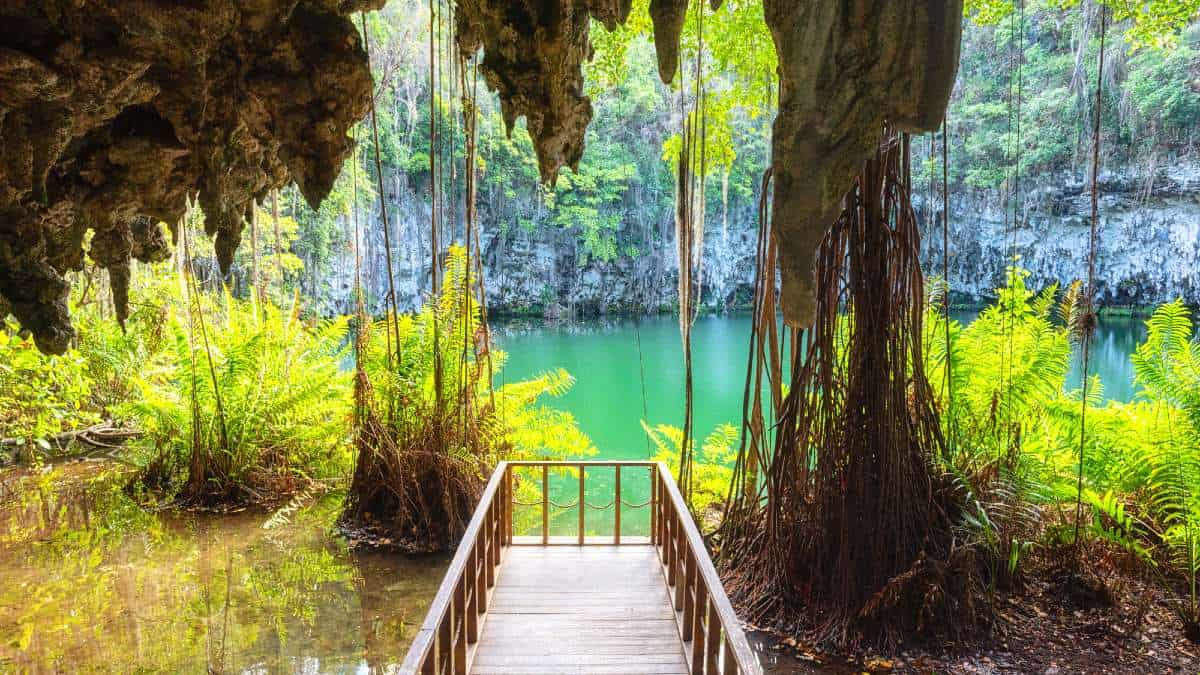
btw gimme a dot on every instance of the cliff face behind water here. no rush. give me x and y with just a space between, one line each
543 270
1148 237
601 240
1148 250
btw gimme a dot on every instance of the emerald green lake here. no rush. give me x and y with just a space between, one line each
608 356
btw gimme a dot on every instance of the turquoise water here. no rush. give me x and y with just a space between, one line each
604 357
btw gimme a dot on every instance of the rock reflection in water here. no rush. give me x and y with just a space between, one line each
93 582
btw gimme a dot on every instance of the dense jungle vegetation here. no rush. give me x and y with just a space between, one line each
222 394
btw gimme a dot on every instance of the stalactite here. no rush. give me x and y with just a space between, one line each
111 112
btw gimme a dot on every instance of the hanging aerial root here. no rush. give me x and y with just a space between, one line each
420 466
848 533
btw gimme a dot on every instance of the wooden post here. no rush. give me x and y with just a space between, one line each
617 503
491 540
445 640
471 589
508 505
654 506
689 605
681 547
731 667
582 502
713 640
460 645
545 504
698 634
483 576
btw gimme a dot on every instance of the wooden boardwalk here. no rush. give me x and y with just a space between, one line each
541 605
602 609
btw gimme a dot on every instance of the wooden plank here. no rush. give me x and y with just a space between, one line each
612 669
599 606
596 610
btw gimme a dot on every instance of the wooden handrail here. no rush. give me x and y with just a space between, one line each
708 625
453 619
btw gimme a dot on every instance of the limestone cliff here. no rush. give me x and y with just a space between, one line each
1148 237
1149 251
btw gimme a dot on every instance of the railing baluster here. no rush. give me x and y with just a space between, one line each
731 667
492 559
471 589
483 574
689 603
458 629
712 642
654 506
508 506
680 546
545 504
669 549
582 501
445 643
697 629
429 665
617 505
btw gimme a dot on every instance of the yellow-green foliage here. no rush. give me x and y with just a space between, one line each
116 356
284 402
712 467
441 340
1009 366
40 395
1015 429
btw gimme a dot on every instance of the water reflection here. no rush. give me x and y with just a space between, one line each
93 582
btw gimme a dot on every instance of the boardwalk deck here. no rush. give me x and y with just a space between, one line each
601 609
537 605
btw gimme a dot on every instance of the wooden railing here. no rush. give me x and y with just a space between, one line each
712 634
546 502
709 628
452 625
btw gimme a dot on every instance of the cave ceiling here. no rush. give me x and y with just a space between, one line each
114 112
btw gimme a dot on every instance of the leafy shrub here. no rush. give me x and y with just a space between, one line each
40 395
712 469
249 402
429 423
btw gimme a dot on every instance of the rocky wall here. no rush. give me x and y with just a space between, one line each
113 113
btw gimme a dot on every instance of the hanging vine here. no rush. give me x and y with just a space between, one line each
1086 322
689 238
419 469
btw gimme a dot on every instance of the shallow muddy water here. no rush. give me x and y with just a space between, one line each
93 583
